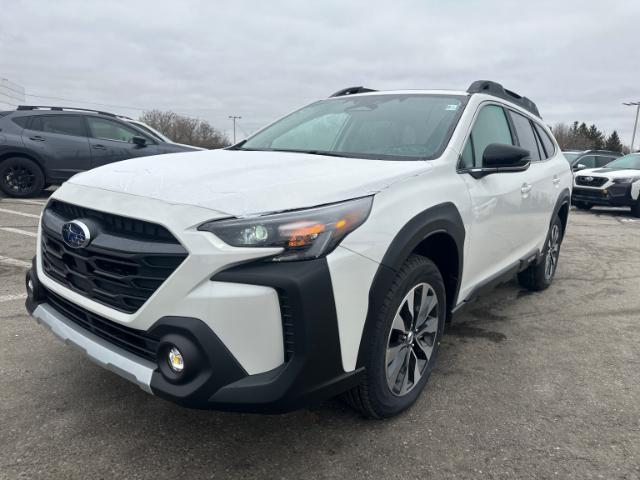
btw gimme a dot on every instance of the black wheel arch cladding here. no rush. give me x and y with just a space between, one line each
442 219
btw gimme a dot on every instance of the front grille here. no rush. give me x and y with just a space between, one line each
287 325
114 224
591 181
122 266
129 339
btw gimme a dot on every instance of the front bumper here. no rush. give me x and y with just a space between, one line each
213 378
616 195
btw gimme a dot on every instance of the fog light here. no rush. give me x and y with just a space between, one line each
30 286
176 362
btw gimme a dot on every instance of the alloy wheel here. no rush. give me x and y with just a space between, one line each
553 252
18 178
411 339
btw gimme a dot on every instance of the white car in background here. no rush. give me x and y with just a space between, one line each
615 185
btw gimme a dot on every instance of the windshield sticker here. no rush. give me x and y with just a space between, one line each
451 107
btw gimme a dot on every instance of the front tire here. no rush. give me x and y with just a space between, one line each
539 276
21 177
404 341
635 208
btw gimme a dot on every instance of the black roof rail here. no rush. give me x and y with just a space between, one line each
493 88
60 109
352 91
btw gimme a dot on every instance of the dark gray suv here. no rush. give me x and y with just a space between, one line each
41 146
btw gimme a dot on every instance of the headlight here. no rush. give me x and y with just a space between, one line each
626 180
303 234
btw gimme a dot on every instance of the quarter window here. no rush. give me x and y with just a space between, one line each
109 130
491 126
526 137
60 124
547 143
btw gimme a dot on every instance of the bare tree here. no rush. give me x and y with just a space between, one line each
182 129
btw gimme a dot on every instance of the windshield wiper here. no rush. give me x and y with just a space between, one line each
309 152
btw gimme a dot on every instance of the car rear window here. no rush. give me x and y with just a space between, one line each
21 121
60 124
547 143
526 137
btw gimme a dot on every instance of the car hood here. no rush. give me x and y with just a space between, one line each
609 172
242 183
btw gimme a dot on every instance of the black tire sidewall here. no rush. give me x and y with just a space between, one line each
384 402
38 183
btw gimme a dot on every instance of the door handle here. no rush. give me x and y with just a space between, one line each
556 180
526 188
37 138
99 147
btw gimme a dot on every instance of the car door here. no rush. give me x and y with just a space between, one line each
60 141
496 234
112 141
542 178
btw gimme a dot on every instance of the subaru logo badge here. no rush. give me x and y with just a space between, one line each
76 234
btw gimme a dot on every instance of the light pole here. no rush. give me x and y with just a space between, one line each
234 118
635 125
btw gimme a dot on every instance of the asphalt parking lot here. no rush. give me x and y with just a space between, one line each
528 385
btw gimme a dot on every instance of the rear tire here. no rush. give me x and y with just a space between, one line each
635 208
583 206
21 177
404 341
539 276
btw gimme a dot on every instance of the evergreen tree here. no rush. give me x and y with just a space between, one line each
613 142
596 138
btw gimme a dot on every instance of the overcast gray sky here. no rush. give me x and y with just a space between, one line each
576 59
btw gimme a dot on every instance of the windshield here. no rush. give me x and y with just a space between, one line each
631 161
570 156
394 127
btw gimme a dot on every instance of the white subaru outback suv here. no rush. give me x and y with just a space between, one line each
615 185
320 256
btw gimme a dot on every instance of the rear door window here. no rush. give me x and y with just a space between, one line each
60 124
526 136
547 143
21 121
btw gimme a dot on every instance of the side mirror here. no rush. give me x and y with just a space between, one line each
501 158
579 166
139 141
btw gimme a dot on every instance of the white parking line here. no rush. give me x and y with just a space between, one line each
21 200
14 262
18 230
11 298
30 215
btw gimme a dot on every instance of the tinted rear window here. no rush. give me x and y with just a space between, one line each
525 134
547 143
21 121
60 124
